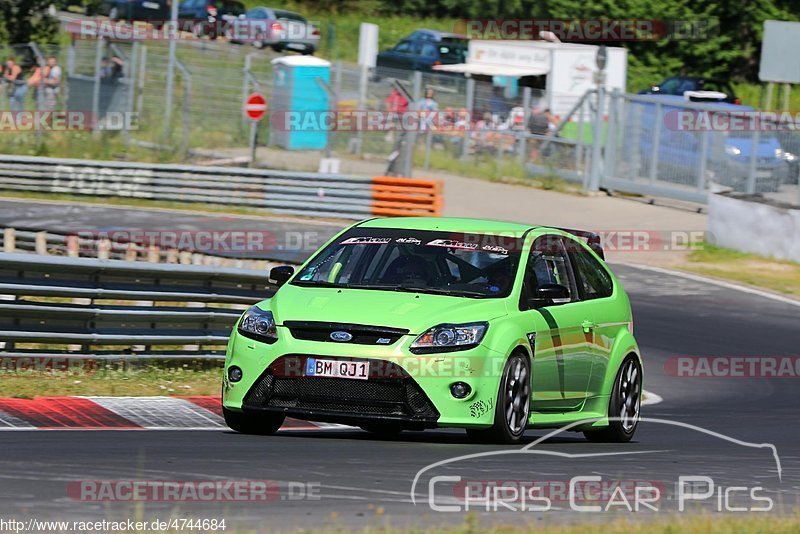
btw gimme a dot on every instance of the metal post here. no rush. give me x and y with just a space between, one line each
521 136
469 104
597 153
751 173
656 138
768 102
362 103
411 135
71 58
701 171
141 73
173 41
253 139
787 91
609 169
131 87
248 61
581 135
96 88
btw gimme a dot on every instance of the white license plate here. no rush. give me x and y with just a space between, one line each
337 369
150 5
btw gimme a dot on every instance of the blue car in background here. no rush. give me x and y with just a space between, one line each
680 148
422 50
155 11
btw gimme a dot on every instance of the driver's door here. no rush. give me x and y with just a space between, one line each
563 345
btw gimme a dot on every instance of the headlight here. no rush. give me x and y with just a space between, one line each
732 150
258 324
449 337
779 153
788 156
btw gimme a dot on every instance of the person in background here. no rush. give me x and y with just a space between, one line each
17 88
538 124
34 81
427 105
395 103
52 83
498 106
112 69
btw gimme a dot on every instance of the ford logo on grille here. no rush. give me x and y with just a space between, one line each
340 335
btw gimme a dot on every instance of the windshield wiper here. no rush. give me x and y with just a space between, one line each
442 291
313 283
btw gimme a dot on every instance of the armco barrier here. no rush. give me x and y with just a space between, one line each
402 196
94 307
297 193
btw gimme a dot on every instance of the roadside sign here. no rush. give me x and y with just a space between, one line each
255 107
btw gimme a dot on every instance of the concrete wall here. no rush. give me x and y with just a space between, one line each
748 225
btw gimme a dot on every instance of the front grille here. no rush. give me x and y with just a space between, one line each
396 396
362 334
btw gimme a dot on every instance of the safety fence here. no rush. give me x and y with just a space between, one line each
127 246
309 194
107 309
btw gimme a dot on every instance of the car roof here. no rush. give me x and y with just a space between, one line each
448 224
712 105
433 35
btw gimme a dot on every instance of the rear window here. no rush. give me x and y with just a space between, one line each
288 15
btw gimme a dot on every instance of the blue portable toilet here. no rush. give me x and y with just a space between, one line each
299 102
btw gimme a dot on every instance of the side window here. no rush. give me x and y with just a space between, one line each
548 264
593 280
429 50
404 47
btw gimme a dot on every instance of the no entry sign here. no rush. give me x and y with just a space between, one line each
255 107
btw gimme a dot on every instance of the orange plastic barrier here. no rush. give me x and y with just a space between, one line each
396 196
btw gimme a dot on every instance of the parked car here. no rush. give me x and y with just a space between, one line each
414 323
422 50
210 18
156 11
277 28
679 152
677 85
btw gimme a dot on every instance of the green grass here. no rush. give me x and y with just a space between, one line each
114 379
752 269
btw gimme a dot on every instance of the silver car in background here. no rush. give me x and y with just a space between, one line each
277 28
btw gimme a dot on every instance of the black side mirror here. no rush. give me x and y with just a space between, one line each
548 294
281 274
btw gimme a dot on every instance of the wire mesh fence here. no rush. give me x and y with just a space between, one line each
481 122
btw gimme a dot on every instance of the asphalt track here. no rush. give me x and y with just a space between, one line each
357 480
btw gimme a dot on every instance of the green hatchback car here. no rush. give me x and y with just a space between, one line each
412 323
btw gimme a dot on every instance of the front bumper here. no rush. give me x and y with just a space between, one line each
410 390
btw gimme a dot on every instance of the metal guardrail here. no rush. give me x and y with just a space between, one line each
297 193
97 306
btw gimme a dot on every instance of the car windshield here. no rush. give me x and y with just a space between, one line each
459 264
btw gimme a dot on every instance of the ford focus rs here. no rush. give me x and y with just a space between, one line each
414 323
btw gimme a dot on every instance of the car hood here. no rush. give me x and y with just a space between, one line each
413 311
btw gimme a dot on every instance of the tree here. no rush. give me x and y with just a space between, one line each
24 21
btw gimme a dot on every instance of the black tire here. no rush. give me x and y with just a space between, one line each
617 431
515 394
261 424
382 430
277 48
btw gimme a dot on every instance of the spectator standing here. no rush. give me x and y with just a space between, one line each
17 88
52 83
538 124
